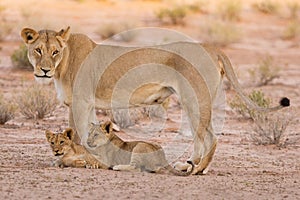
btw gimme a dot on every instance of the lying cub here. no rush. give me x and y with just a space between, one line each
128 156
73 155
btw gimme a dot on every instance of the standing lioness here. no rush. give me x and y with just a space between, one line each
75 62
128 156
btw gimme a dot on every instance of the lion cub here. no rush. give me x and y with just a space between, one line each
73 155
128 156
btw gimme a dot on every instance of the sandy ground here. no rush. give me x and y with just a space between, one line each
240 169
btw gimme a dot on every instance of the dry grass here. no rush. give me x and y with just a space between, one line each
220 33
174 15
36 102
291 31
7 110
5 26
19 58
230 9
293 8
267 6
109 30
270 129
266 71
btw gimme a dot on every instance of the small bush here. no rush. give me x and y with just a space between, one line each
172 15
270 129
19 58
7 110
294 8
291 31
221 33
36 102
230 9
266 71
267 7
257 97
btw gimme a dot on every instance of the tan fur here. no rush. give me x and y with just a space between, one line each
72 49
73 155
128 156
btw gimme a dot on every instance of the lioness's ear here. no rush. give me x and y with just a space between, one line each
107 126
29 35
69 133
49 135
63 36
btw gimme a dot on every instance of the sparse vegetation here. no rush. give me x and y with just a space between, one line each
5 27
270 129
7 110
230 9
294 8
19 58
257 97
107 31
291 31
173 15
221 33
36 102
267 6
266 71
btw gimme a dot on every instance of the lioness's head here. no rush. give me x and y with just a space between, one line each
60 142
100 134
45 51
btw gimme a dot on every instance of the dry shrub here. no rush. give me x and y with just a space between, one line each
19 58
7 110
270 129
291 31
173 15
230 9
36 102
266 72
267 6
220 33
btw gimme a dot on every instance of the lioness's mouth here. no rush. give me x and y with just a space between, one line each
58 154
44 76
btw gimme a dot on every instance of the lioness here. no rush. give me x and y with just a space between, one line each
73 155
129 156
75 62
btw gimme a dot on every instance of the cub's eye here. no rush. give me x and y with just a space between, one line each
61 142
39 51
54 52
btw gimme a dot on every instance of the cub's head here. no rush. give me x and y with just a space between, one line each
100 134
61 143
45 51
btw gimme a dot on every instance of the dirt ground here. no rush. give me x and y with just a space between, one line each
240 169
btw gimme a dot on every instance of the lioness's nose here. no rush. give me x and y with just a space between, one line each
45 70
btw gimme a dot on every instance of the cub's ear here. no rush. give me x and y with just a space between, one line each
63 36
49 135
69 133
29 35
107 126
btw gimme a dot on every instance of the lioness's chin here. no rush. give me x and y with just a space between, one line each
43 80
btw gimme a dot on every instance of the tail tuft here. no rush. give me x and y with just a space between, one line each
285 102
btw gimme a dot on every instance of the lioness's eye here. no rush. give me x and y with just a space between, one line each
61 142
55 53
39 51
52 143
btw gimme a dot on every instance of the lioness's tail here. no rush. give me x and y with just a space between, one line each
224 61
181 173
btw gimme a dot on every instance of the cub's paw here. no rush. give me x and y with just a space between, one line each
80 163
58 163
183 166
92 166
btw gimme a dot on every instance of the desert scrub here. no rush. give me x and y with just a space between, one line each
220 33
270 129
291 31
36 102
258 97
266 71
230 9
7 110
173 15
267 6
19 58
